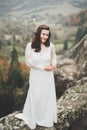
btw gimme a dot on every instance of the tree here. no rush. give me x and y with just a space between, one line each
2 43
15 76
65 45
83 17
85 30
81 33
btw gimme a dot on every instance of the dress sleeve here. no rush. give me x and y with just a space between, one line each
28 58
53 56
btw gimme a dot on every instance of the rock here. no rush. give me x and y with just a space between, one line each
66 75
79 54
71 67
10 122
72 106
79 124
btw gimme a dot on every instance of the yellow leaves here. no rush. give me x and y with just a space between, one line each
4 65
25 70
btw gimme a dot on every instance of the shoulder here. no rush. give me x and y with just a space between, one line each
28 45
52 45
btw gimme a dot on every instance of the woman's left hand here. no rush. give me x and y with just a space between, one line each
50 68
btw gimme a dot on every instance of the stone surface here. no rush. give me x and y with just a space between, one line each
11 123
72 106
66 75
79 54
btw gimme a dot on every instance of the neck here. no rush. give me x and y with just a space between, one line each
42 44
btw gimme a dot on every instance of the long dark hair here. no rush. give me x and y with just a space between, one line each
36 42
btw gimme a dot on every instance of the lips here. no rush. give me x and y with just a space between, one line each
44 40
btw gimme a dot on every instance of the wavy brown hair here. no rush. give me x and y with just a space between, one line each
36 42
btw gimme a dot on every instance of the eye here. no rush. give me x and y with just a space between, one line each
47 34
43 33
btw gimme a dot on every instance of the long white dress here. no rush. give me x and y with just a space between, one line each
40 105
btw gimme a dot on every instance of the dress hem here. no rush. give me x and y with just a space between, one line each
36 123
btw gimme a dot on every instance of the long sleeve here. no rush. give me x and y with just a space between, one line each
28 58
53 56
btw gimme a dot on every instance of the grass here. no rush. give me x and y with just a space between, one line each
21 58
70 44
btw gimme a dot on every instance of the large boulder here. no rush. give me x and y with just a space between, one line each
72 107
71 67
66 75
79 54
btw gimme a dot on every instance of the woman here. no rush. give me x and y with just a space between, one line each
40 105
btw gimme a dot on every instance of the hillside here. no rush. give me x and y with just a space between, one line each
10 8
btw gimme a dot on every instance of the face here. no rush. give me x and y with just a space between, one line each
44 35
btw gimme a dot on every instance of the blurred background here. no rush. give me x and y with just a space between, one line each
18 22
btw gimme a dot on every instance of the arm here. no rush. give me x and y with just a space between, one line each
53 60
28 59
53 56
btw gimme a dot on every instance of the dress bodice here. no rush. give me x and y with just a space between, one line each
41 59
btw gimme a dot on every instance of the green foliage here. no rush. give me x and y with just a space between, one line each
85 30
14 58
83 17
2 43
8 42
65 45
15 77
81 33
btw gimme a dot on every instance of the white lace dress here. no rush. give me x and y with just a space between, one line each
40 105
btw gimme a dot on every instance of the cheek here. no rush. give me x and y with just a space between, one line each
47 37
41 36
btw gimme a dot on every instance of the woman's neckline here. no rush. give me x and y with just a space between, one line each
42 45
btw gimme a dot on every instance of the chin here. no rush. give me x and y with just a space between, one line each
43 41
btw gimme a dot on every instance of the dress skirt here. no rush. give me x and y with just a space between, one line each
40 105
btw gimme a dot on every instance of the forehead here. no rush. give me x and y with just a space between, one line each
45 31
